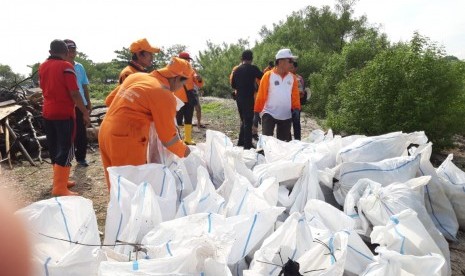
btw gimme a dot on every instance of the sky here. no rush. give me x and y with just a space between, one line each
99 27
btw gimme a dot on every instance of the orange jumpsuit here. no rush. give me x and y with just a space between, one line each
128 70
189 84
124 133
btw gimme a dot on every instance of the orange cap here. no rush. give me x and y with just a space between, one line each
176 67
142 45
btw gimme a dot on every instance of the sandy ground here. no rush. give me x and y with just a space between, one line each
25 184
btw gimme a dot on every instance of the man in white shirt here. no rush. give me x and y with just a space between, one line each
278 97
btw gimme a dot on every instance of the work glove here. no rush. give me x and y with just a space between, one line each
295 113
256 119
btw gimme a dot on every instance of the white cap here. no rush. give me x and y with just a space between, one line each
285 53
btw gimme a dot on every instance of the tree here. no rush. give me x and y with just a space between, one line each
408 87
7 77
216 64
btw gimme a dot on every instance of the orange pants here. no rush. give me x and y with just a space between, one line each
123 142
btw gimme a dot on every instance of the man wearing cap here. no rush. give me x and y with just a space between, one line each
142 57
189 96
80 140
278 97
141 99
244 82
61 95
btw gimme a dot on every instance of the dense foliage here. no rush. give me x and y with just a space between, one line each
408 87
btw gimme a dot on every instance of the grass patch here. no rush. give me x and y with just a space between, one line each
218 109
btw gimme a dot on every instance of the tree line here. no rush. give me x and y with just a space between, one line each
360 81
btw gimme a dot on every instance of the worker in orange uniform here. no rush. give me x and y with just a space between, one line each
142 57
141 99
278 97
187 95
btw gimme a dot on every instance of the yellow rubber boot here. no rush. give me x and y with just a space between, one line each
60 181
188 135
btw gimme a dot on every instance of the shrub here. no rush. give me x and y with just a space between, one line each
409 87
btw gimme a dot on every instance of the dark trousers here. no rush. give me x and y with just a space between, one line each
283 127
80 141
185 113
245 108
296 126
60 141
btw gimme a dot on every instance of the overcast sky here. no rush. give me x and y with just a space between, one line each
101 26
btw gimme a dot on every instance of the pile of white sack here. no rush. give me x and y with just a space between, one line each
327 205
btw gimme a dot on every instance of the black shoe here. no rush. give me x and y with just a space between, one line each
83 163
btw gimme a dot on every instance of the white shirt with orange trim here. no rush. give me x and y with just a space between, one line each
279 103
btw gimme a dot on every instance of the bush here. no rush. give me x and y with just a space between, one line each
99 91
409 87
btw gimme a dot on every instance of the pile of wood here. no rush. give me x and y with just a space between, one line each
22 135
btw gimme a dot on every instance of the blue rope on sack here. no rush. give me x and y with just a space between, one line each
209 222
249 235
121 216
242 202
163 182
64 218
46 266
168 248
395 220
380 170
432 209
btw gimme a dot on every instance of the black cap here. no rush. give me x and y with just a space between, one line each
247 55
70 43
58 46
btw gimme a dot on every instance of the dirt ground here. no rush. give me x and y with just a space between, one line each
25 184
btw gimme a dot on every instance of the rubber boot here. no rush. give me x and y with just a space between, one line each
71 184
60 181
188 135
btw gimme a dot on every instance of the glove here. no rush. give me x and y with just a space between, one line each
295 113
256 119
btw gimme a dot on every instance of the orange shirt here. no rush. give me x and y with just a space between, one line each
189 84
143 98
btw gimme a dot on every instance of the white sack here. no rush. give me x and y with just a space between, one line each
454 186
437 204
187 263
290 241
204 199
404 233
390 263
216 145
307 187
398 169
377 148
320 214
70 218
245 199
379 203
138 193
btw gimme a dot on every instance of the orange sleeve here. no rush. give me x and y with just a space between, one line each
262 94
198 83
163 109
232 72
295 96
181 94
109 99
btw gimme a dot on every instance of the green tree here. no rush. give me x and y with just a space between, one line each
7 77
408 87
354 56
215 65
